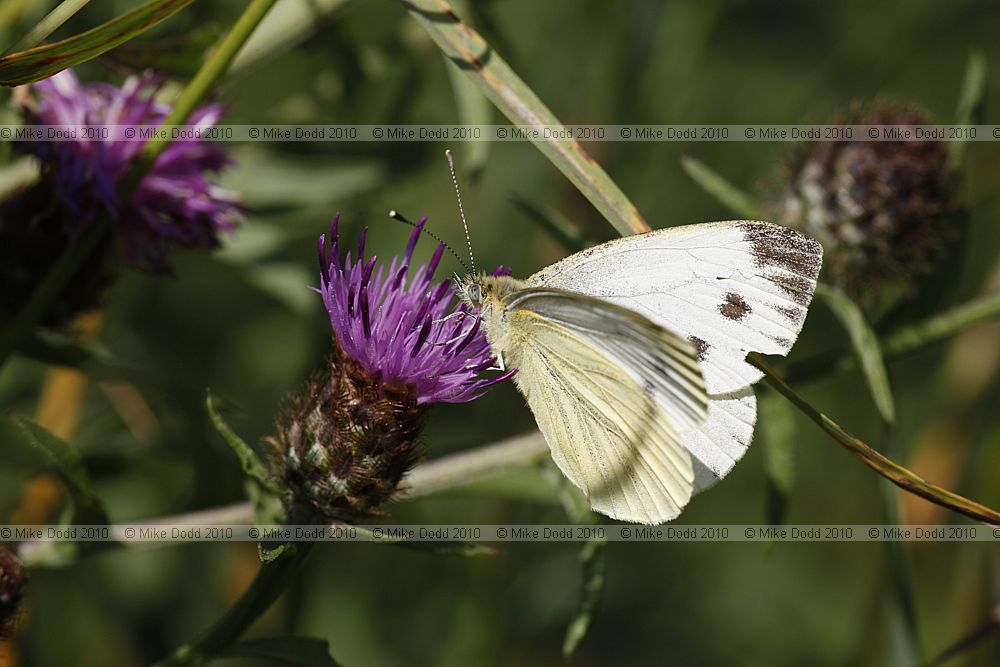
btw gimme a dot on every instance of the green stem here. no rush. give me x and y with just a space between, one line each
208 76
267 586
895 473
48 25
906 340
904 644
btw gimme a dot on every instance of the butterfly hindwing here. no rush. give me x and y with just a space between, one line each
607 432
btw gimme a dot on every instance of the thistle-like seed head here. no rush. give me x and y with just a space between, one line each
13 579
881 209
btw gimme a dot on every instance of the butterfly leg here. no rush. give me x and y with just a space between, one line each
499 365
457 313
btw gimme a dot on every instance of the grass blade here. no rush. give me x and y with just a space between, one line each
42 62
48 25
778 441
866 347
902 477
724 192
971 104
284 29
476 58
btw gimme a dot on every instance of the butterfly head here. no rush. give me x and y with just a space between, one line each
481 292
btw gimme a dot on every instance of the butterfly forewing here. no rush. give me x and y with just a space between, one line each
728 287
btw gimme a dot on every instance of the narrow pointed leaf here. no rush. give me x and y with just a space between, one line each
438 547
63 12
724 192
251 463
971 104
476 58
592 558
43 61
553 222
778 441
866 347
66 462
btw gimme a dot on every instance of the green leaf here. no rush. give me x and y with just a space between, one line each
48 25
971 104
727 194
778 441
593 565
866 347
66 462
251 463
300 651
285 29
181 55
476 58
473 109
42 62
558 226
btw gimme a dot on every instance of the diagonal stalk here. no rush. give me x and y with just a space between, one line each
895 473
270 582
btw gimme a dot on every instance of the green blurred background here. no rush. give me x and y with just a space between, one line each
244 323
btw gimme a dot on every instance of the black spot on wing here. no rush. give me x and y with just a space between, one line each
734 307
700 347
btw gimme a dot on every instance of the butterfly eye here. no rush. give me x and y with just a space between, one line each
475 294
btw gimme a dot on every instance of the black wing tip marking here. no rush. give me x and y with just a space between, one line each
777 246
789 258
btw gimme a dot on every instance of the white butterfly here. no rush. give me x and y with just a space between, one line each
632 354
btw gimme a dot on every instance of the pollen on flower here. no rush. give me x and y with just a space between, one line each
344 443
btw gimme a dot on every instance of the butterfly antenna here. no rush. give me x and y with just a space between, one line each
396 215
461 210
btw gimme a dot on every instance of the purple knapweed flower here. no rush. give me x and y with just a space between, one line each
344 444
397 327
175 204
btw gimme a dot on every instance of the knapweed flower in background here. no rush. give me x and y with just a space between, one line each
883 210
345 443
175 204
13 579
